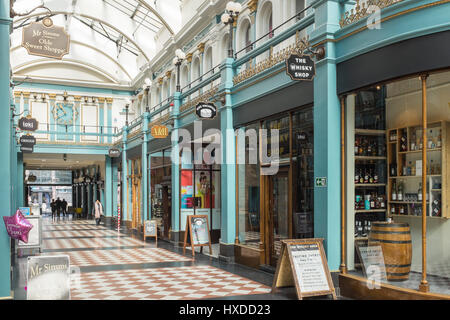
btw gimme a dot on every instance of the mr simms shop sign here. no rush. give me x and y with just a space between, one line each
300 67
45 39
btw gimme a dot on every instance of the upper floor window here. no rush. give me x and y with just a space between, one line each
248 39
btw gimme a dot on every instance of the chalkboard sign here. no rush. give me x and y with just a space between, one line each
27 140
151 230
197 233
303 264
48 278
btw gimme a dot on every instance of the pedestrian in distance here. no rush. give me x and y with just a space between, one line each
98 210
58 207
53 207
64 208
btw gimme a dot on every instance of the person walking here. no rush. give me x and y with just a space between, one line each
53 207
64 208
58 207
98 207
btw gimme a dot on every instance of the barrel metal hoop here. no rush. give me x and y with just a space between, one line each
390 241
397 274
390 232
397 265
389 225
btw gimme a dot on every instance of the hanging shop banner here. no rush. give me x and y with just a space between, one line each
303 264
48 278
26 149
27 140
159 132
300 68
206 110
45 39
28 123
114 153
197 233
151 230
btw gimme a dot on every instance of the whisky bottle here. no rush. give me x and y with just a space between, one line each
371 179
419 193
356 176
403 142
375 177
439 139
366 176
400 192
394 191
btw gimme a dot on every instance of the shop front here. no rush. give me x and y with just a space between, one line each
396 234
274 197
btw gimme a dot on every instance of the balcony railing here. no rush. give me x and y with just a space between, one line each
266 53
363 9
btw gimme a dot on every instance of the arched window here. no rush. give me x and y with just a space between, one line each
208 61
248 38
184 76
270 24
195 69
225 46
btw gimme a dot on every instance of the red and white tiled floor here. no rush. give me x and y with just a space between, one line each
118 267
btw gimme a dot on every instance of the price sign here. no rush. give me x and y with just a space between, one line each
27 140
303 264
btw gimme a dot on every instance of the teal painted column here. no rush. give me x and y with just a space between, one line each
124 209
130 192
20 178
108 204
144 167
228 172
5 156
101 112
327 135
175 167
109 117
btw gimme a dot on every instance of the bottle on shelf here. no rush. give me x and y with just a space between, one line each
419 193
392 209
403 142
372 201
371 179
356 175
430 139
402 210
366 176
356 147
400 192
394 191
375 177
393 169
413 141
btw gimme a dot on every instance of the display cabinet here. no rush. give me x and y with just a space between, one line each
404 155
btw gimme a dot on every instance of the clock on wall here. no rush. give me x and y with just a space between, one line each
65 113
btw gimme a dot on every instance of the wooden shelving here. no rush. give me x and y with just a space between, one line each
370 211
368 185
410 159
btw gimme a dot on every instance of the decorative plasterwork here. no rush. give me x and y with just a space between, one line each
362 10
202 98
201 47
252 5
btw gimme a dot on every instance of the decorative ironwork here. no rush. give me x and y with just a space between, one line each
202 98
298 47
362 10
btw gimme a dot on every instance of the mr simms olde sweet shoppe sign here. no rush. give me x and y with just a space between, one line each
45 39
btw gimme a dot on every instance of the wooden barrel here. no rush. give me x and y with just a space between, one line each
395 240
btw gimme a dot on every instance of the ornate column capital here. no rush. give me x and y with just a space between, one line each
252 5
169 74
189 57
201 47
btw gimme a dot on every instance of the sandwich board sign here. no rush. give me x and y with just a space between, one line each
303 264
151 230
197 233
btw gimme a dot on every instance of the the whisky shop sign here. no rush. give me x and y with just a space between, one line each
45 39
300 67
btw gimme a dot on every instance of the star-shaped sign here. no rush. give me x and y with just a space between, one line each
17 226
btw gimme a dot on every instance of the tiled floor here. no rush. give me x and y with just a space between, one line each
117 266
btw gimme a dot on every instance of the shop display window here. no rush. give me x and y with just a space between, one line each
389 192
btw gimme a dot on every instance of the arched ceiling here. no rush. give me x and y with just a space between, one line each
117 36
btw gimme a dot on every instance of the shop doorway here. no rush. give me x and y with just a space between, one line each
277 214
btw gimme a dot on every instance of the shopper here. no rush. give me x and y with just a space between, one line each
58 207
53 207
64 208
98 207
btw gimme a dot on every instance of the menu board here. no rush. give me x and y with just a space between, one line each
303 264
197 233
151 230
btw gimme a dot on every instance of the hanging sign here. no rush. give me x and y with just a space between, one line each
159 132
303 264
300 67
27 140
26 149
114 153
197 233
151 230
45 39
206 110
28 123
48 278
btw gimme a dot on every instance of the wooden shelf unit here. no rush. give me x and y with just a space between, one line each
411 182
